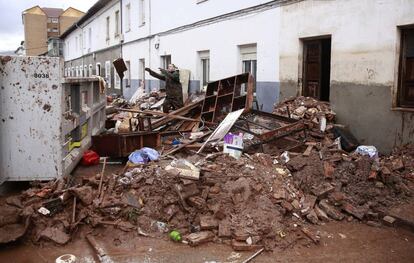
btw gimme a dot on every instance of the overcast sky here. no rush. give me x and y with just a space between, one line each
11 27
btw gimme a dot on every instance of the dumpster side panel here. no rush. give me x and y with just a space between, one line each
30 118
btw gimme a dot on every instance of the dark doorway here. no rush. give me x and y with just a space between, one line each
317 68
406 72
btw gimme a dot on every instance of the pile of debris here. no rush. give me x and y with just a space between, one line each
252 202
247 201
305 108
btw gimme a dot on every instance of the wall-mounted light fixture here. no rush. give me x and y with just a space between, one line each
157 42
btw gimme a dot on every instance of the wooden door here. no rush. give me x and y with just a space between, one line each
312 68
407 69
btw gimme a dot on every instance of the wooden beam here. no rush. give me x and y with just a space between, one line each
157 113
181 146
164 120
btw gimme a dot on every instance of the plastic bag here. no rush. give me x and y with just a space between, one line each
90 158
371 151
143 156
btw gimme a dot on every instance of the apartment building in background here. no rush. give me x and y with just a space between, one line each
358 56
42 23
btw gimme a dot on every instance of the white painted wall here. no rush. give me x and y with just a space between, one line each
364 37
171 14
137 30
364 63
222 39
98 25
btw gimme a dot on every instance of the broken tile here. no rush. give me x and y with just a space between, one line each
352 210
312 217
224 230
331 211
195 239
322 190
389 220
208 222
243 246
328 170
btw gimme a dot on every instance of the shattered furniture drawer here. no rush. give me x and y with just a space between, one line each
121 145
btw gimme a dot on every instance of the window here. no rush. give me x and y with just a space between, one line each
406 69
55 20
117 80
248 58
98 69
84 101
141 68
72 74
117 23
55 30
141 10
90 70
128 17
80 42
248 55
128 74
77 71
90 39
107 27
165 61
204 67
49 30
108 77
85 71
49 20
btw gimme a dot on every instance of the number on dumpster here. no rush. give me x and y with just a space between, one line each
41 75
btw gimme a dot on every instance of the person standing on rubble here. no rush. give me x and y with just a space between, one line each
174 92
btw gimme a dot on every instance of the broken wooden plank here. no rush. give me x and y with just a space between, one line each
310 235
184 110
308 150
158 113
101 179
181 146
253 256
99 250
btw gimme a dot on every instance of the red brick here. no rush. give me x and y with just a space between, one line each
208 223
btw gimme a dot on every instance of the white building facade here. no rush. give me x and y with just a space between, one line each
213 39
91 45
359 55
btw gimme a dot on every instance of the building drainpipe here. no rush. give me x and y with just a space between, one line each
83 57
149 43
122 34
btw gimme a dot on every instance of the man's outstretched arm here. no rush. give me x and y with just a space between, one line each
155 74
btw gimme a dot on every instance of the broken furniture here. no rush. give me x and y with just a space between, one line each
121 145
266 127
227 95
